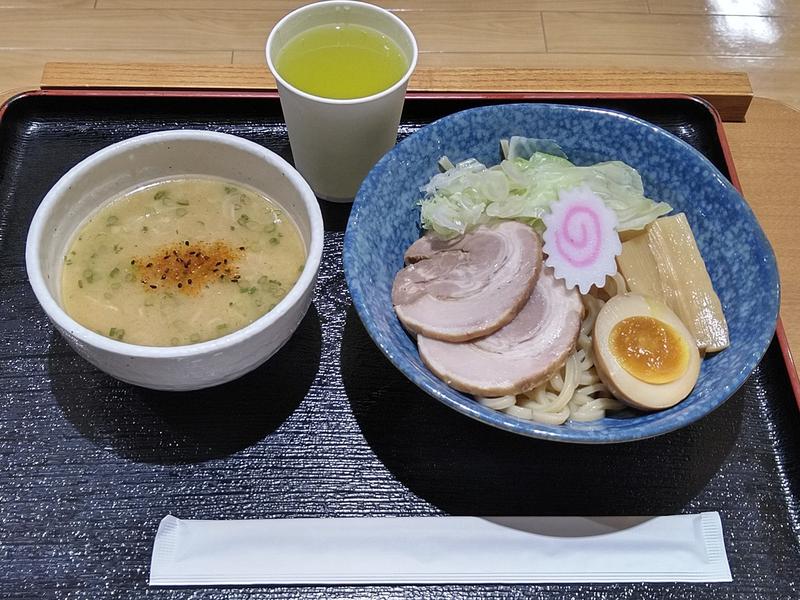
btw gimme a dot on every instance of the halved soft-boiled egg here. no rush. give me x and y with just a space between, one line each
644 353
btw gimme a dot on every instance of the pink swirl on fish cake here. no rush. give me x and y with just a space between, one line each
580 239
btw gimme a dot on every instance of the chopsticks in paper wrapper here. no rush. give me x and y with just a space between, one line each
394 550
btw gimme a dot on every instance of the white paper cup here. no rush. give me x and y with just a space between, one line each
336 142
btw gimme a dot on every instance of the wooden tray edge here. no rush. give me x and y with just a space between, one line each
729 92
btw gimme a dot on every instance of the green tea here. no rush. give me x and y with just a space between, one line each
341 61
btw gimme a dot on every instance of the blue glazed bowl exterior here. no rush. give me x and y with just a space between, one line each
385 220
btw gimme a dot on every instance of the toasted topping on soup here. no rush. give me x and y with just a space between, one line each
188 267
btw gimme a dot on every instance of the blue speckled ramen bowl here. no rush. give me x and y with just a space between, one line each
385 221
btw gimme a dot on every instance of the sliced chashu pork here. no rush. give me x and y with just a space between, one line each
469 287
521 355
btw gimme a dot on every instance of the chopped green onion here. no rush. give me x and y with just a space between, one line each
183 202
181 212
243 219
114 272
161 194
274 288
274 241
88 275
112 220
116 333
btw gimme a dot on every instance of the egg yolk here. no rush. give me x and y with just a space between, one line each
649 349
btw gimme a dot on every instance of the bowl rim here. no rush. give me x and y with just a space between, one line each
56 194
629 432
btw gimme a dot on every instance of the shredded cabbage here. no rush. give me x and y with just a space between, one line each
523 186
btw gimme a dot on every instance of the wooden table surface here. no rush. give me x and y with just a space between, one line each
759 37
764 144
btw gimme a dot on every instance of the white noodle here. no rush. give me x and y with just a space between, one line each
520 412
551 418
497 403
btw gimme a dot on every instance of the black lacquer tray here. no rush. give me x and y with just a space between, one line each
89 465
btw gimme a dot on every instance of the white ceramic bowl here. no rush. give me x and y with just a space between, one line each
129 164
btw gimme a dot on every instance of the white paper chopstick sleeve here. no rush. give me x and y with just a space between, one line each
686 548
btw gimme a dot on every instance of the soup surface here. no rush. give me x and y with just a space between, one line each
180 262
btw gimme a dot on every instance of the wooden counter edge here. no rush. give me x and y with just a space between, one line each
729 92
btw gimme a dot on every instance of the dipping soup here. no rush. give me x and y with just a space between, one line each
181 261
